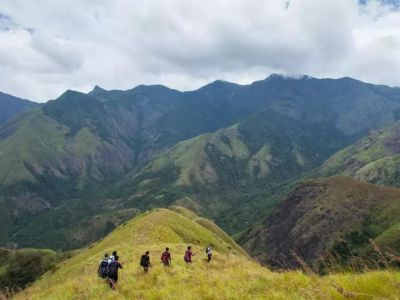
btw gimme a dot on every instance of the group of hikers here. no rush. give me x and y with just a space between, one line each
109 265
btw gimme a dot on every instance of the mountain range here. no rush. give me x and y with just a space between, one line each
76 167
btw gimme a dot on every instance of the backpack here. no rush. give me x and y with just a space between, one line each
104 270
164 257
143 261
112 268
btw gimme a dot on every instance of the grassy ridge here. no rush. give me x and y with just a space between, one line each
374 158
231 275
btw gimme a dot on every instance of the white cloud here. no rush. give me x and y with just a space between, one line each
49 46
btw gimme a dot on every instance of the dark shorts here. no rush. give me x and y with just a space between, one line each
113 277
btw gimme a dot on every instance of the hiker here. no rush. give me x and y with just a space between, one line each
188 255
103 267
113 255
145 261
113 267
209 253
166 257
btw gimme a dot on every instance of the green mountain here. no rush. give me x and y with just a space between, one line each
11 106
335 220
78 166
236 174
374 158
229 275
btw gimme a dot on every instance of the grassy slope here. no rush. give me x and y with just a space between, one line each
328 215
373 159
35 138
229 276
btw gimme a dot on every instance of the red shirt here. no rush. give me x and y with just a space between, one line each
188 256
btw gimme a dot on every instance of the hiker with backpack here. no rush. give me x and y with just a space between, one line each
188 255
113 267
166 257
102 271
112 256
209 253
145 261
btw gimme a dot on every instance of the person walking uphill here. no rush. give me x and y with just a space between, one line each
188 255
166 257
103 267
112 256
145 261
113 267
209 253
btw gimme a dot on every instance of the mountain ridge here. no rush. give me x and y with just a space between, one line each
10 106
227 276
86 146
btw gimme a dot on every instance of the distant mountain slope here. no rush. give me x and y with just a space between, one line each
236 174
10 106
374 159
321 217
62 163
230 274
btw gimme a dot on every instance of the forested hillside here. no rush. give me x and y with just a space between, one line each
83 163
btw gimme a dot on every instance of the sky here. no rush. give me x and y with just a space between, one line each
49 46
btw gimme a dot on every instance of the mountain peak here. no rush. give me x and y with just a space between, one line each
219 84
145 87
96 90
69 93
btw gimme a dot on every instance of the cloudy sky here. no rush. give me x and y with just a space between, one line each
48 46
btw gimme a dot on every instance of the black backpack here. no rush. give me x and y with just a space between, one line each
144 261
112 268
104 268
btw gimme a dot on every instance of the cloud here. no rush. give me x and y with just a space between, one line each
49 46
